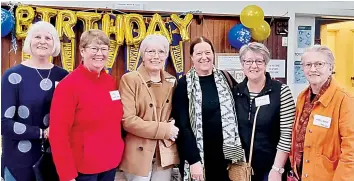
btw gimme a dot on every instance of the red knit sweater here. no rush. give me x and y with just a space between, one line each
85 124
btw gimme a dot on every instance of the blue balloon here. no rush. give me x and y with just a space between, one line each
7 22
239 35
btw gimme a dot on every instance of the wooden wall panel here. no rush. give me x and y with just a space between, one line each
214 28
5 56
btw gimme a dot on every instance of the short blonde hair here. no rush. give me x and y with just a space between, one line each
154 39
42 26
257 48
324 50
93 36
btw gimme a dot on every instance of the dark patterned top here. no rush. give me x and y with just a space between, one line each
26 97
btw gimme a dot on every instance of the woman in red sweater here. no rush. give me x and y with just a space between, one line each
85 117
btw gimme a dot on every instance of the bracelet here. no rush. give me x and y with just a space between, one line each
279 170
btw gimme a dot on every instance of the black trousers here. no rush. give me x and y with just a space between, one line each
216 170
103 176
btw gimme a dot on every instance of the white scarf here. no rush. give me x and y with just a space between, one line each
231 140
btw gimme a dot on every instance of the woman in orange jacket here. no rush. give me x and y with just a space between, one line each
323 133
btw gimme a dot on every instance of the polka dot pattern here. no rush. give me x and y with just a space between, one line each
19 128
23 112
46 120
15 78
24 146
10 112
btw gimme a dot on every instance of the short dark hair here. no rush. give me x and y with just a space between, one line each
200 40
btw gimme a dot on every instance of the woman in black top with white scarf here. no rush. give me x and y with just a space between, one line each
203 108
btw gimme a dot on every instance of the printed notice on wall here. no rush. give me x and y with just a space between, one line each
299 76
231 63
228 62
276 68
304 36
239 76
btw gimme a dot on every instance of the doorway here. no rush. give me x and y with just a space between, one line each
338 35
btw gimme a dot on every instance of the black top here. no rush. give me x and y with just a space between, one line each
186 142
215 163
267 133
271 120
312 96
212 126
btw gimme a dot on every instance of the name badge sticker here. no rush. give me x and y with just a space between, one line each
322 121
261 101
115 95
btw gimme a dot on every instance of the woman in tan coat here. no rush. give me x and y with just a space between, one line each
146 94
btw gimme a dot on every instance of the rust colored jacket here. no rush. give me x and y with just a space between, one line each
145 134
328 152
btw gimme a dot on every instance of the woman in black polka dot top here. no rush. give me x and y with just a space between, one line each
26 92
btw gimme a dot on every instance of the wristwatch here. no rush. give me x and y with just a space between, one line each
280 170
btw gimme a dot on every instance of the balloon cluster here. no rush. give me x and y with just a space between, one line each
253 25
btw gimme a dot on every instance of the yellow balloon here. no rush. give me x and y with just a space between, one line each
157 21
88 19
120 29
261 32
95 26
24 18
138 19
46 13
65 22
251 16
109 26
182 25
106 24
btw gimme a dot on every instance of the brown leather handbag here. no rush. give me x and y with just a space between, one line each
242 171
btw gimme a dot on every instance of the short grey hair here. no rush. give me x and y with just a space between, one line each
154 39
324 50
257 48
42 26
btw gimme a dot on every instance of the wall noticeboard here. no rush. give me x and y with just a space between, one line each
231 63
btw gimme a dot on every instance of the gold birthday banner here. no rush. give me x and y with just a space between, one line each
118 25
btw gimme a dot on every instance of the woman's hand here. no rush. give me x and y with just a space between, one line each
274 175
173 130
46 133
197 171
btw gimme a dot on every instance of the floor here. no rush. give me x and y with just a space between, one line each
175 177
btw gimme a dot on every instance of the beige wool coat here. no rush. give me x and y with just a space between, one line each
147 132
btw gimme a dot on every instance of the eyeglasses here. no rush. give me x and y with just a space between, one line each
153 52
250 62
96 49
318 65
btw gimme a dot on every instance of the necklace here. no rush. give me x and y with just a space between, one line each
45 83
